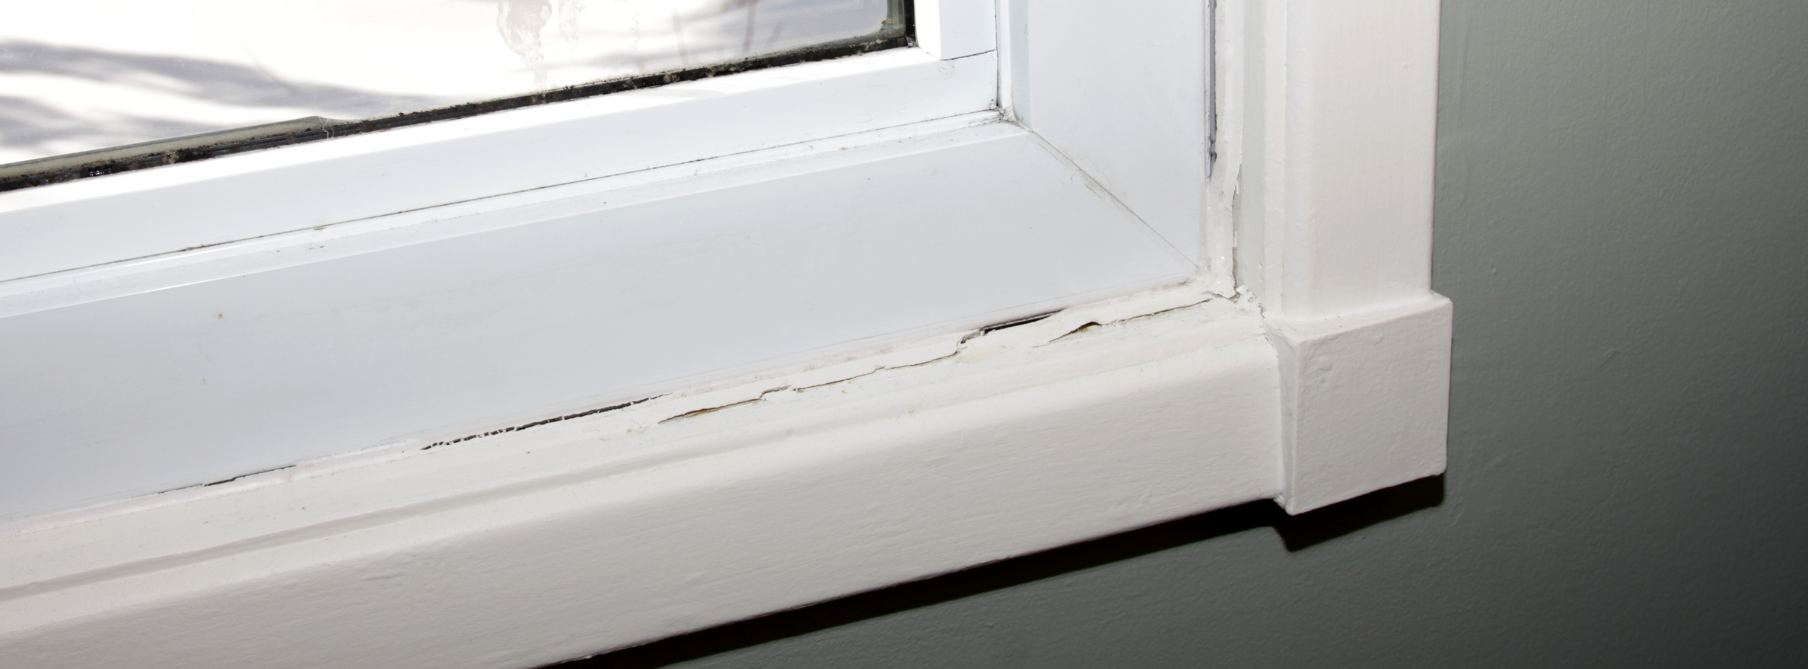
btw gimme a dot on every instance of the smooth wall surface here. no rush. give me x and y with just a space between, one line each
1622 223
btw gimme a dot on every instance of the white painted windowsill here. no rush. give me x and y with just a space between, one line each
633 366
603 531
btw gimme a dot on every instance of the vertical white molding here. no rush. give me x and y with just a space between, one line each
1338 185
955 28
1013 59
1333 126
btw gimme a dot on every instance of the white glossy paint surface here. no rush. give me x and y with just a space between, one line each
137 214
1339 131
1364 400
620 528
538 546
955 28
569 299
1123 95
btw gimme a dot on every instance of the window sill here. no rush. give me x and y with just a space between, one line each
683 512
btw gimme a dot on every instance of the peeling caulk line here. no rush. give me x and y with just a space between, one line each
623 420
549 421
1046 330
1005 325
949 353
859 369
699 412
639 415
242 476
971 346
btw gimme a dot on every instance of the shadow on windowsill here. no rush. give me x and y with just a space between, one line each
1297 533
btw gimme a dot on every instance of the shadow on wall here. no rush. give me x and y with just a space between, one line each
1297 533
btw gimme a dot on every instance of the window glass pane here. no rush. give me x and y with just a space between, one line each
82 75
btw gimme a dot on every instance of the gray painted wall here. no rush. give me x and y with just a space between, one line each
1622 221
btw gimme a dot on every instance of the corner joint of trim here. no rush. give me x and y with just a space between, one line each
1365 400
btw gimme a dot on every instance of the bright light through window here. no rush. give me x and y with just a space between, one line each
84 75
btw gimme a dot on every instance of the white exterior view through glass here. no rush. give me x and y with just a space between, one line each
81 75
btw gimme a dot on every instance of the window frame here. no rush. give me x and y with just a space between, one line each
1323 379
211 236
75 228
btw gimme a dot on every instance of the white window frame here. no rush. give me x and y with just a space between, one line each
1304 359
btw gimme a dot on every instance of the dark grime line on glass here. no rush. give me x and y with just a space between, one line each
900 32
